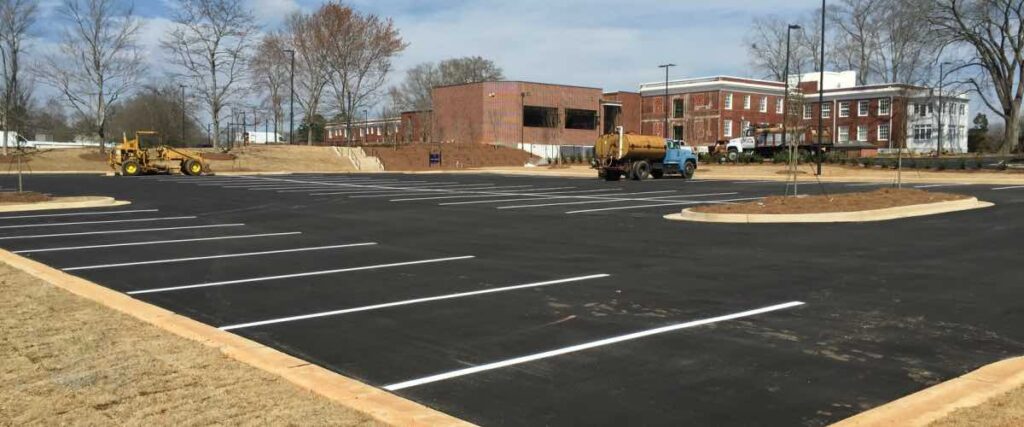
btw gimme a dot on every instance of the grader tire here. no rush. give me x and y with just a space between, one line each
131 168
191 167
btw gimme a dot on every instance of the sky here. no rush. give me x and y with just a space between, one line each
609 44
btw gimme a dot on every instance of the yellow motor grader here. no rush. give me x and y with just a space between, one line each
145 154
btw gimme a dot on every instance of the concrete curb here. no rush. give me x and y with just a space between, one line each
938 401
66 203
859 216
379 404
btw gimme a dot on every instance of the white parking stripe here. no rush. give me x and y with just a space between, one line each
538 196
157 242
289 276
87 233
321 188
79 214
442 191
867 184
410 301
586 346
469 194
1009 188
61 224
203 258
692 202
615 200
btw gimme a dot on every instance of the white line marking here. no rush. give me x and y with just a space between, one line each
321 188
615 200
38 236
289 276
60 224
157 242
203 258
939 185
470 194
78 213
692 202
442 191
586 346
867 184
539 196
409 301
1009 188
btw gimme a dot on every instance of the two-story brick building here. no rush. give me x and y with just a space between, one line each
709 110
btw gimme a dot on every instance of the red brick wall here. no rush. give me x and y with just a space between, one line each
896 119
631 104
458 113
703 114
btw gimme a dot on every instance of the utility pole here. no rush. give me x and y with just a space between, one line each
942 103
183 139
291 101
785 111
366 126
666 67
821 86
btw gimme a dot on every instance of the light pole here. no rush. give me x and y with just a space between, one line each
183 139
366 126
821 86
666 67
785 105
942 103
291 101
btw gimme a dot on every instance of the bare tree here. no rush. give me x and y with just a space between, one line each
309 36
766 46
992 30
270 69
98 61
414 93
905 53
359 57
210 42
16 16
858 24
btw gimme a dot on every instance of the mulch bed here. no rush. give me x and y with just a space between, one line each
845 202
23 197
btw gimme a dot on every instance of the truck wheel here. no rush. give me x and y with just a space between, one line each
130 168
641 170
733 155
688 169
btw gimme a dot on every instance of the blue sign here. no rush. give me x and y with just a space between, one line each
434 159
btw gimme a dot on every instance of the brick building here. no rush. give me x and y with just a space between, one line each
708 110
364 131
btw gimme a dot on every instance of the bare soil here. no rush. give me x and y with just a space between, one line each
65 360
94 156
219 156
453 156
14 197
1004 411
277 158
846 202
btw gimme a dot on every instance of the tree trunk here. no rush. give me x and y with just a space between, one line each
1012 131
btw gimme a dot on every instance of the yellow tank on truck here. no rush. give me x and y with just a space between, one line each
631 147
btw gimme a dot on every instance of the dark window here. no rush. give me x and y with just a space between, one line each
540 117
678 107
677 132
580 119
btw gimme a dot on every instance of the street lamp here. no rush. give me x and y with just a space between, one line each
942 103
366 126
183 139
821 87
785 101
666 67
291 101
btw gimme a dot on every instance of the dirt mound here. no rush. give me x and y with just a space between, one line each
453 156
277 158
219 156
23 197
846 202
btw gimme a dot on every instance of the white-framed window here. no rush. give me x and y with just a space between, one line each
728 101
727 128
844 134
826 111
922 132
862 133
883 132
763 107
746 102
963 109
884 107
778 106
807 112
844 109
862 108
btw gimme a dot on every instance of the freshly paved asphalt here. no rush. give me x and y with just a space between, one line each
891 307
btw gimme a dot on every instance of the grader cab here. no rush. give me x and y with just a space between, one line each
146 154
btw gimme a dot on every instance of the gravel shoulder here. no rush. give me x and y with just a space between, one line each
67 360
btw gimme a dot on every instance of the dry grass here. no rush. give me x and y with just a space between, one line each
65 360
1004 411
845 202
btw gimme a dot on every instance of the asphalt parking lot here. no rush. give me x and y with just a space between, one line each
511 300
